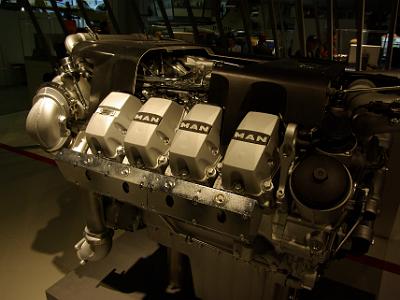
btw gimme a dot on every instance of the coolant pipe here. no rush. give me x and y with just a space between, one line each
97 238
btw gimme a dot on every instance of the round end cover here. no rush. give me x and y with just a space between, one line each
46 123
320 182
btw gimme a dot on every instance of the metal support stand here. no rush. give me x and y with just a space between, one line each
217 11
165 17
300 27
330 29
317 23
192 22
392 31
84 14
360 28
111 16
246 24
137 16
59 16
272 17
47 48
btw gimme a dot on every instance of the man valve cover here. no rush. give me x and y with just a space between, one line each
195 148
107 127
151 132
249 159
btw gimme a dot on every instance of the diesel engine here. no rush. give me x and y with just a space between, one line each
261 172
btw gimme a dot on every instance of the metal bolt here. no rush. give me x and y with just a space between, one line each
237 187
270 163
267 185
184 172
211 172
220 199
162 159
215 151
169 184
125 171
120 150
316 245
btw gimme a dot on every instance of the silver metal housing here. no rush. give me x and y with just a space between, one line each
151 132
107 127
195 147
249 160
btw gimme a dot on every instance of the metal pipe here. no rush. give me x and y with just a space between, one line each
272 17
84 14
330 29
217 10
94 212
360 29
112 16
192 22
392 31
59 17
165 17
244 9
97 240
300 27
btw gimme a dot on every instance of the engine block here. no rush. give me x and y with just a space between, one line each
276 167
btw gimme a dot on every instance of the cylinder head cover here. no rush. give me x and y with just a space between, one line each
108 125
195 147
151 132
249 159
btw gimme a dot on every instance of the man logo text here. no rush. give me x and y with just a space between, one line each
251 137
148 118
195 126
